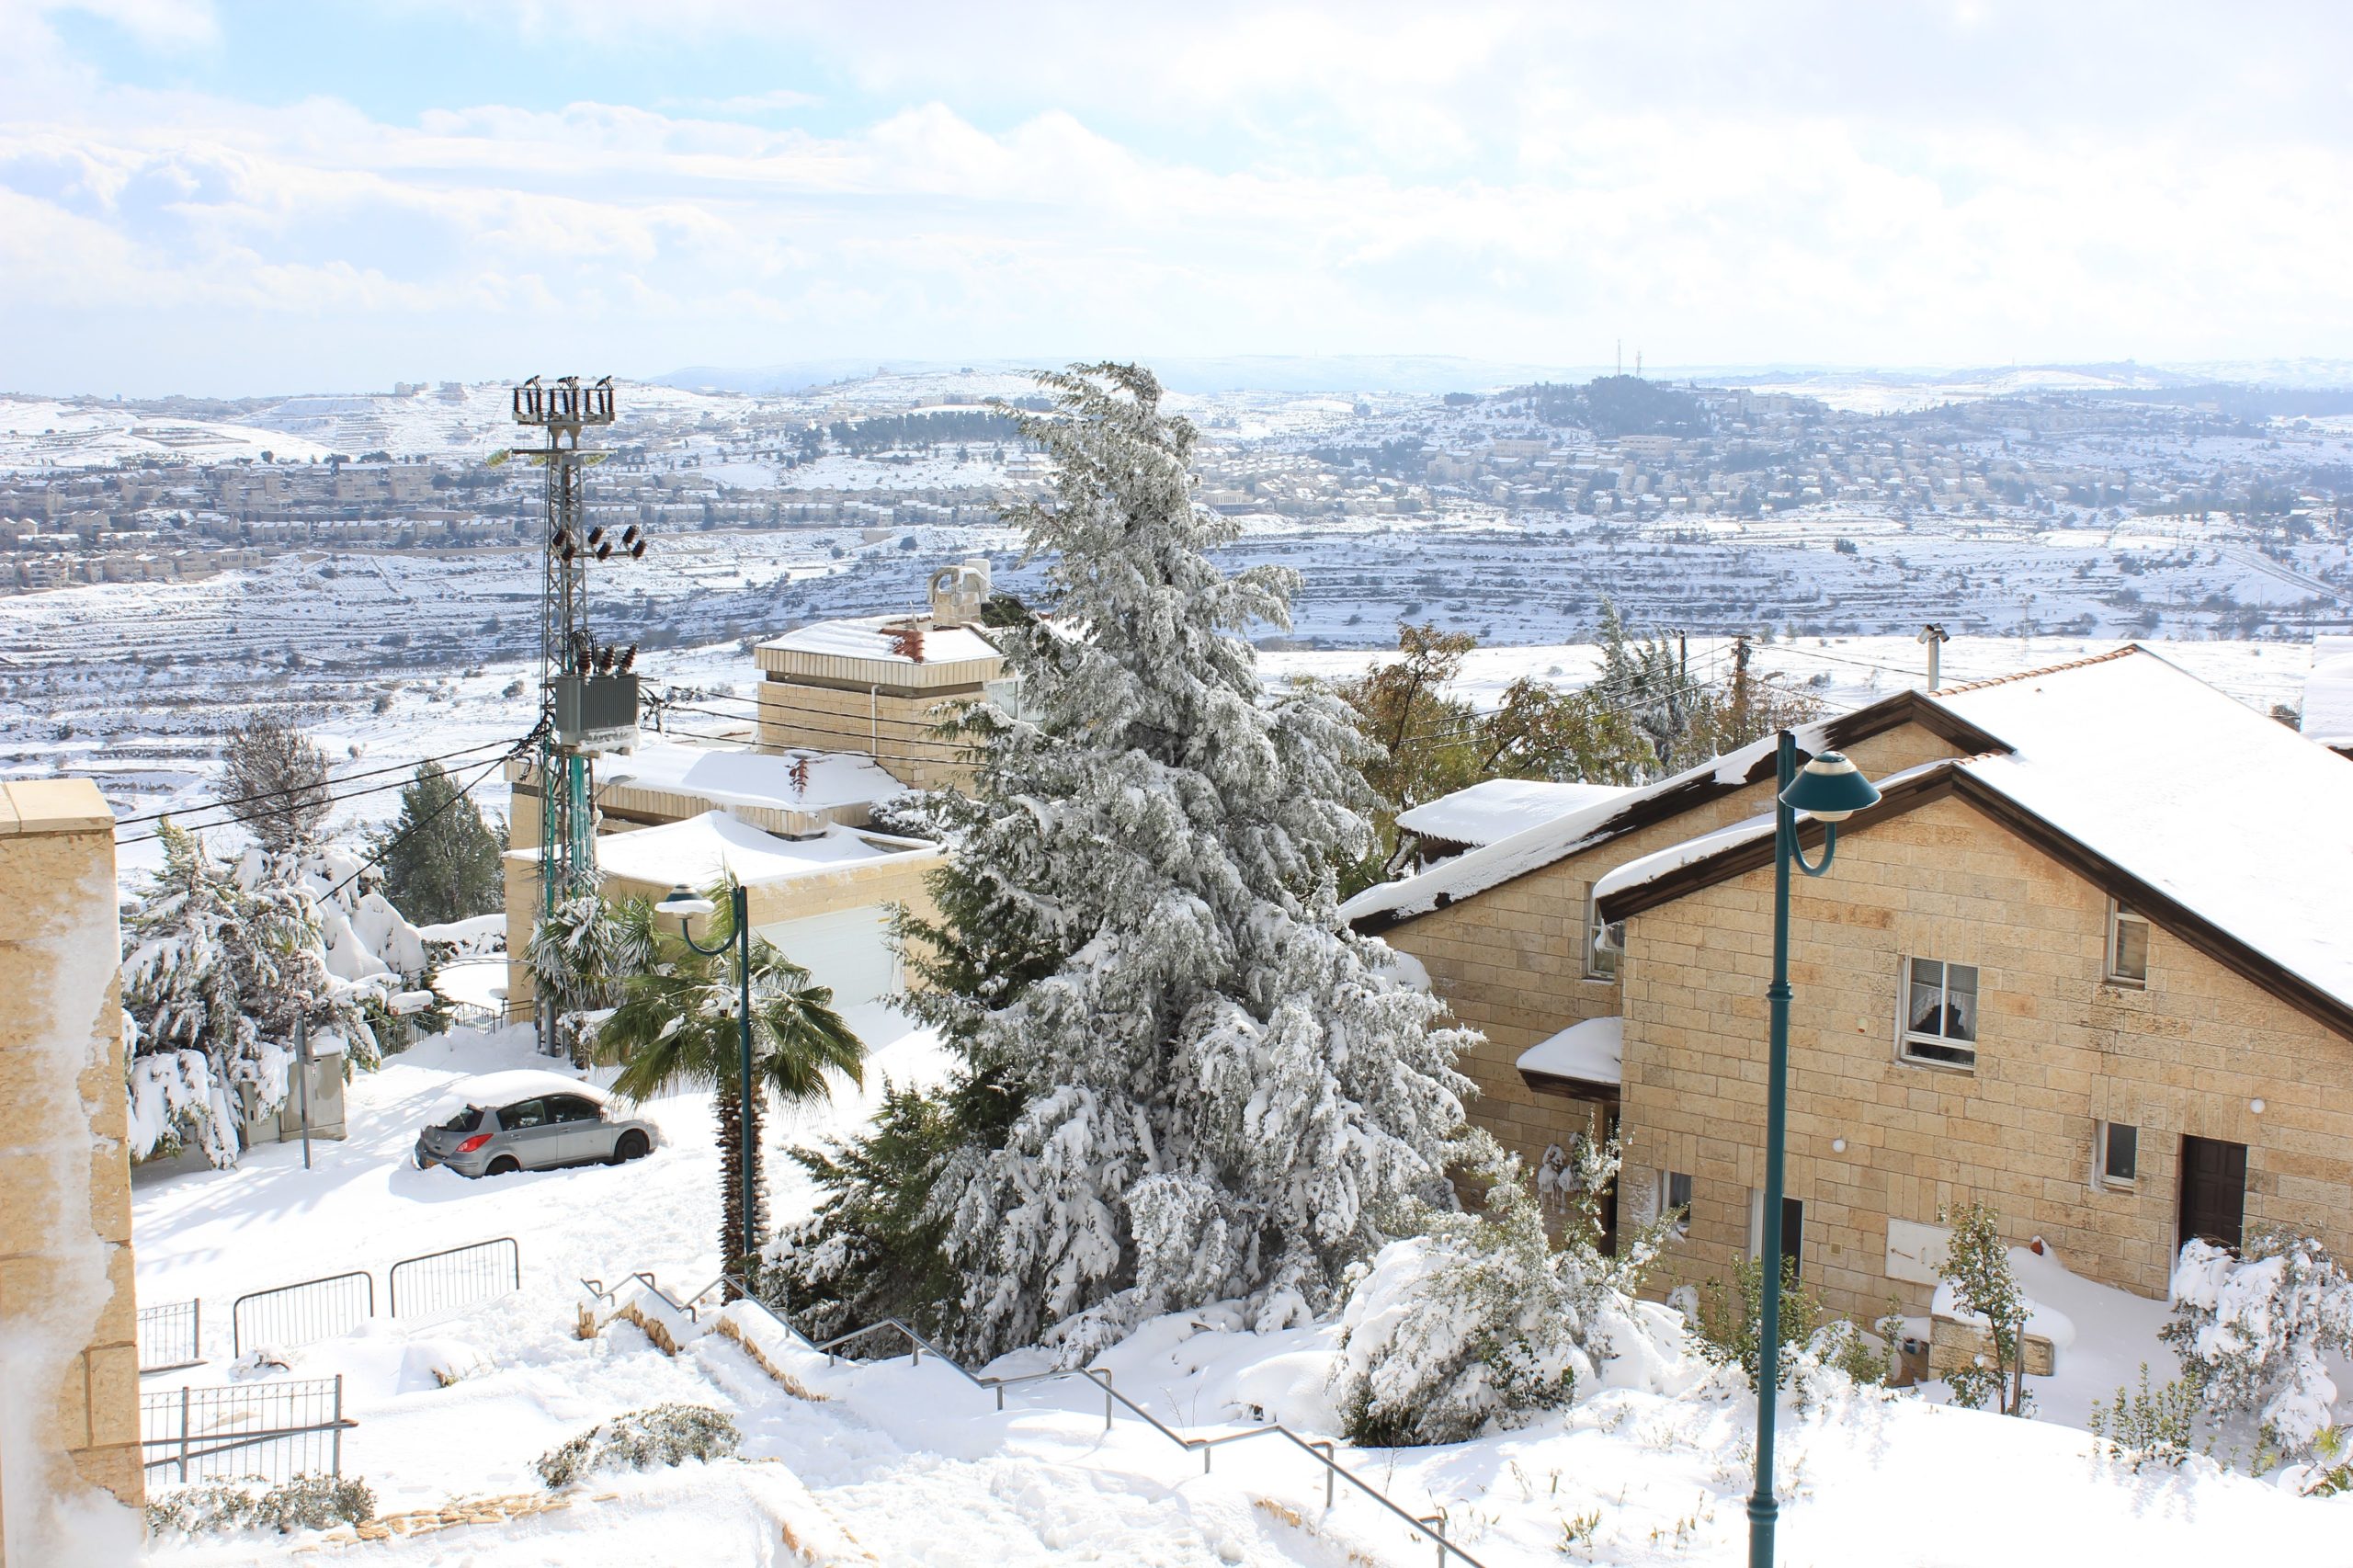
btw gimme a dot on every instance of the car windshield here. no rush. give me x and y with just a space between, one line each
465 1121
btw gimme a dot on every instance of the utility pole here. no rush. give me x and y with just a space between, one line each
588 700
303 1066
1934 636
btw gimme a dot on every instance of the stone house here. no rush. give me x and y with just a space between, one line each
847 710
2090 960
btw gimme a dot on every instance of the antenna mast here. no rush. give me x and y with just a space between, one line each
588 693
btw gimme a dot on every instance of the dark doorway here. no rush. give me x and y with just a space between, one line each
1793 1233
2213 1191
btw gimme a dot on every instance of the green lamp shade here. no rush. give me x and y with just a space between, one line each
684 902
1830 789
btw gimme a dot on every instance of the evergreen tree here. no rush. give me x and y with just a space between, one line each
276 783
220 965
440 858
1181 1079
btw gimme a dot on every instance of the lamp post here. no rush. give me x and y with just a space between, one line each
1830 790
685 904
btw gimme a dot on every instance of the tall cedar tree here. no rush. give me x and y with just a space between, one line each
440 858
1180 1078
276 783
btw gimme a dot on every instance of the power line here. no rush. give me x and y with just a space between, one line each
332 799
519 748
305 788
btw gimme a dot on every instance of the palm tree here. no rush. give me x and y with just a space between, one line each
679 1025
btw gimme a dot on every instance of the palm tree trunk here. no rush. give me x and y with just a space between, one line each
728 1108
758 1111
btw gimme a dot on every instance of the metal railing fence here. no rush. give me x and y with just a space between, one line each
171 1337
1319 1449
455 1276
273 1430
304 1312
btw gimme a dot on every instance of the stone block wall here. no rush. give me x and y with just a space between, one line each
1510 962
69 1358
896 729
2059 1049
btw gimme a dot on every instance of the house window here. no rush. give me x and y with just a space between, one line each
2119 1154
2128 947
1602 943
1675 1188
1940 1013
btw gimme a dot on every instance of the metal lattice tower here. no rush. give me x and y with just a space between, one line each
575 676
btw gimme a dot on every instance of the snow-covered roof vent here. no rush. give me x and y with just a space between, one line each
1497 808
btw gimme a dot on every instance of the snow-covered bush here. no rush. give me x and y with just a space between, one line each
220 965
2252 1332
305 1503
663 1435
1977 1274
1727 1325
582 953
1481 1322
2148 1427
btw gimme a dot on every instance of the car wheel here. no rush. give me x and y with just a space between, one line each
632 1146
505 1164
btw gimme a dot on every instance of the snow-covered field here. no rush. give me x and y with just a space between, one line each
899 1463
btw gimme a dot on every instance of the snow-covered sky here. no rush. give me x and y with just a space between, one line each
201 194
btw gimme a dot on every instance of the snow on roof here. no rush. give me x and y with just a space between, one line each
868 637
713 846
1531 848
2328 690
1589 1052
737 778
1497 808
2228 812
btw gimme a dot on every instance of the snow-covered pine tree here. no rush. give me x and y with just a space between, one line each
1209 1088
220 963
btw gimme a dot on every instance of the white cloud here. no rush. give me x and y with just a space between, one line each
1413 181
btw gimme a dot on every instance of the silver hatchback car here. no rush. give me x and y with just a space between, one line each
510 1124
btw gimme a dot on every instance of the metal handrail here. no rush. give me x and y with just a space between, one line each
237 1318
1321 1450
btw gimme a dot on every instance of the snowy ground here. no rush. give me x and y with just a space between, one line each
915 1466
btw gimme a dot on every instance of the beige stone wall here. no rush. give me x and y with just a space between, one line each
2059 1048
899 883
896 730
1510 962
69 1359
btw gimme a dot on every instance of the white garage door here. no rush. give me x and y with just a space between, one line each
849 951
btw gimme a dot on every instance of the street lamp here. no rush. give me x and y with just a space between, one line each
685 904
1830 790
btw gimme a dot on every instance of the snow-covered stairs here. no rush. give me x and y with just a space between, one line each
902 1463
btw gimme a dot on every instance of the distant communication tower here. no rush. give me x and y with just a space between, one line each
588 690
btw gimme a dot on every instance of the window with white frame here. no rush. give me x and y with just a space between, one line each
2116 1154
2128 947
1940 1011
1603 943
1674 1193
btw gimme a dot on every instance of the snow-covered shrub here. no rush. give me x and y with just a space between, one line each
1482 1321
2251 1330
663 1435
305 1503
582 953
1977 1272
2150 1428
1727 1326
220 964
